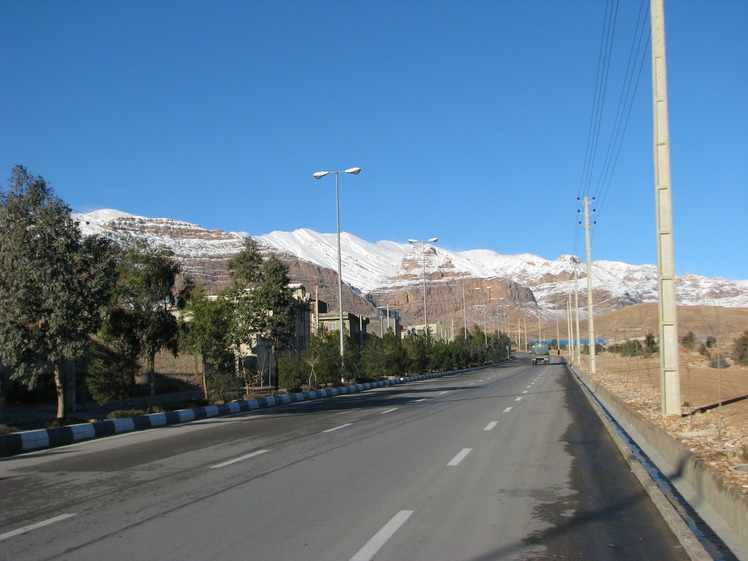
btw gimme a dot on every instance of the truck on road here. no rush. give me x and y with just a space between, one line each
540 354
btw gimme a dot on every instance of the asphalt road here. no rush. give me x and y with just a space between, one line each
501 463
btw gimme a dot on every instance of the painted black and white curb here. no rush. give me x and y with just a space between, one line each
27 441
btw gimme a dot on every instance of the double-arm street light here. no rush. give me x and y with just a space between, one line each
423 251
320 175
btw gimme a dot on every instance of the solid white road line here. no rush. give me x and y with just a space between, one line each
30 527
338 427
491 425
369 550
459 457
239 459
389 411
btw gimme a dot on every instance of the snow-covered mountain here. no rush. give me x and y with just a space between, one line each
387 267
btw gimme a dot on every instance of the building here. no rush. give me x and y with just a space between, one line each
355 326
382 323
436 331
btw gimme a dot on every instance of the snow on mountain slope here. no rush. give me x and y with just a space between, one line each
387 265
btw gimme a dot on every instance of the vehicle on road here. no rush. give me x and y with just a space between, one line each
541 354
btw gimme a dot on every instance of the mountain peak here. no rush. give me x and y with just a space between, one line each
371 268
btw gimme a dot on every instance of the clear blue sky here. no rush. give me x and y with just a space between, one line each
470 120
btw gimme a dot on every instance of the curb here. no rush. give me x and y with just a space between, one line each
27 441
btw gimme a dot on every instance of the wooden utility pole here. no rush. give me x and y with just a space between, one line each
668 307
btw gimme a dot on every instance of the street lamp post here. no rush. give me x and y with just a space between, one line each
423 251
320 175
499 313
485 324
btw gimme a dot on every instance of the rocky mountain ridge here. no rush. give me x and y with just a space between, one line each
461 286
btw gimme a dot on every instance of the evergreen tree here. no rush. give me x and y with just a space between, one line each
650 345
689 341
111 374
740 349
204 331
263 301
384 357
142 320
273 306
53 284
244 271
323 357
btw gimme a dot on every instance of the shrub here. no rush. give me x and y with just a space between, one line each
5 429
125 414
719 362
64 422
740 349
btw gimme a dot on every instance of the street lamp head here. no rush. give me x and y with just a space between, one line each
433 239
320 174
354 171
412 240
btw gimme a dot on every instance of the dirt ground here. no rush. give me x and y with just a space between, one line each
719 434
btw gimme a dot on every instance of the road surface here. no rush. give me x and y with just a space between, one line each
507 462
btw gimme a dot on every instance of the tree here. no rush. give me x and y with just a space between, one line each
244 271
650 345
111 374
263 302
53 284
145 297
204 331
740 349
689 341
385 356
273 304
323 357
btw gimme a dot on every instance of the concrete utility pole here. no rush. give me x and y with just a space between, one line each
570 327
668 306
590 319
578 341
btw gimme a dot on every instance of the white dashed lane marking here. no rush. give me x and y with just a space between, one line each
459 457
30 527
371 548
338 427
239 459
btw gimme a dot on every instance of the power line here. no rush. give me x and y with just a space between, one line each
637 55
